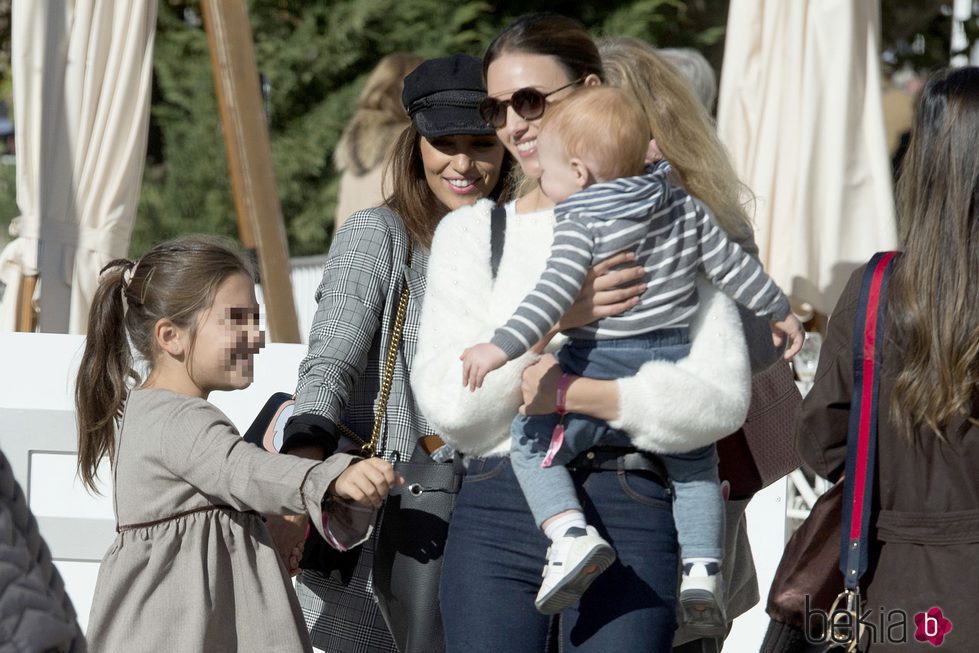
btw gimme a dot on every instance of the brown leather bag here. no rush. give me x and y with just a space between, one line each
763 450
809 567
810 563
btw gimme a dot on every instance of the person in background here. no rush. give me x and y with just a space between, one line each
36 613
446 158
925 526
695 68
369 138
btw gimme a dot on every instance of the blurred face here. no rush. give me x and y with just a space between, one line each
511 72
228 337
461 169
559 179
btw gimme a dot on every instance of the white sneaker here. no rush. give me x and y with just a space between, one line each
701 600
573 562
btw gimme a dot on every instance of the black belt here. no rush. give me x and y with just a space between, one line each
624 459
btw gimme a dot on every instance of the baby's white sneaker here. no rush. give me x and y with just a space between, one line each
573 562
701 599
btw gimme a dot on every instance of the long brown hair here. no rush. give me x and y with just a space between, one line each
175 280
933 297
683 130
413 200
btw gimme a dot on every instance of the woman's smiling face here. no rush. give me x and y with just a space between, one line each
461 169
513 71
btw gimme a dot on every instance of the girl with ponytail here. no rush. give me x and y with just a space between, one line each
193 567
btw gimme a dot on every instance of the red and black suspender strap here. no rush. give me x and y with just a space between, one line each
861 446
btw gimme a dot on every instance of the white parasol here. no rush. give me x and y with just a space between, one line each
82 72
800 112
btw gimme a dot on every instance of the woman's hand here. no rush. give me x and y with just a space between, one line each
539 386
606 291
366 482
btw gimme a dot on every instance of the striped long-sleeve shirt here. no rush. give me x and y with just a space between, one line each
674 236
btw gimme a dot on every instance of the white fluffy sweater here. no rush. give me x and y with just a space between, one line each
666 407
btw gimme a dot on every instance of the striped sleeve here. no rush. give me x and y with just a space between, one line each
555 292
735 271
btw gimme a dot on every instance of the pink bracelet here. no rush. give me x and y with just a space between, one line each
560 406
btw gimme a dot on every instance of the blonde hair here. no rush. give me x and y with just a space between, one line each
683 131
602 126
366 140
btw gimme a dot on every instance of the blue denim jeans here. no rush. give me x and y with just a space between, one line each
495 553
549 490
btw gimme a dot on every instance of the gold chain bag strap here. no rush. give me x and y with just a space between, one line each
370 448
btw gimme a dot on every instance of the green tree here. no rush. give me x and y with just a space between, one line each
315 57
316 54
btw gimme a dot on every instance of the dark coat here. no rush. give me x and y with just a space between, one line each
35 611
925 550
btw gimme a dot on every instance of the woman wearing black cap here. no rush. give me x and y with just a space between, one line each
447 158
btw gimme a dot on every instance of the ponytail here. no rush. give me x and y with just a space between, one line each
105 372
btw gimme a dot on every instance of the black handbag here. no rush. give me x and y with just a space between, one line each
408 552
414 529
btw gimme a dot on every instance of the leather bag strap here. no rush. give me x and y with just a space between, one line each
497 237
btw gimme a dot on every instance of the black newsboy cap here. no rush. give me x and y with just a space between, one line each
442 97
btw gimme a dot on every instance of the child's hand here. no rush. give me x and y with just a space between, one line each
366 482
289 535
792 328
478 361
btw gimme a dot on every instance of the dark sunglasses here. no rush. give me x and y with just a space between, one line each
528 103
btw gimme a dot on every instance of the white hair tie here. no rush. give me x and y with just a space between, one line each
127 275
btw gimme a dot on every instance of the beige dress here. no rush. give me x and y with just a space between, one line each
193 568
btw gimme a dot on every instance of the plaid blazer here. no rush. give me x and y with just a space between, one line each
357 300
339 380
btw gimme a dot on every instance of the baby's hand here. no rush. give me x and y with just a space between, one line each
478 361
366 482
791 327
